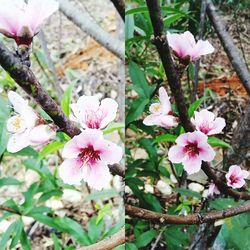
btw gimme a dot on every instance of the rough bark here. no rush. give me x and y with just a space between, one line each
164 219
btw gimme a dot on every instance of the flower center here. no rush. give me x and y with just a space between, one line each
89 156
93 119
16 124
192 149
234 179
155 108
205 128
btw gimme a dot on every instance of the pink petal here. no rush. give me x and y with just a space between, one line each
18 142
70 172
71 149
200 49
108 109
110 152
152 120
176 154
96 176
192 165
178 42
197 136
164 100
37 11
89 137
206 152
182 139
41 134
168 121
218 125
244 174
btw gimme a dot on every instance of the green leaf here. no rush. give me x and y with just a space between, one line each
56 241
8 181
3 137
7 235
95 229
47 195
188 192
172 18
144 239
121 247
113 127
136 108
223 203
166 138
129 27
102 195
66 225
140 83
215 142
17 235
194 106
66 99
51 148
130 246
147 144
25 241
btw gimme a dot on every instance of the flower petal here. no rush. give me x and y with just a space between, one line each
41 134
164 99
18 142
218 125
152 120
192 165
89 137
71 149
96 176
206 152
200 49
176 154
108 108
70 172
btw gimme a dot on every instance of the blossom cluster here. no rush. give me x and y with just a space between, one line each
192 148
26 127
88 155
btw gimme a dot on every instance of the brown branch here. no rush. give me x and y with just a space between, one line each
117 169
108 243
189 219
8 209
232 51
174 82
86 23
120 7
25 78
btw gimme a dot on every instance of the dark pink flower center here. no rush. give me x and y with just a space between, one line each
89 155
192 149
93 119
233 179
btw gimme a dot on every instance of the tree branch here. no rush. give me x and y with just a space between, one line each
120 7
86 23
8 209
189 219
108 243
174 82
232 51
25 78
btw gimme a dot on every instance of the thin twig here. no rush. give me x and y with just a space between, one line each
108 243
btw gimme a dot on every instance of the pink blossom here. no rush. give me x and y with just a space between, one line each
235 177
87 158
185 47
161 113
206 122
91 113
22 21
22 126
191 150
213 189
